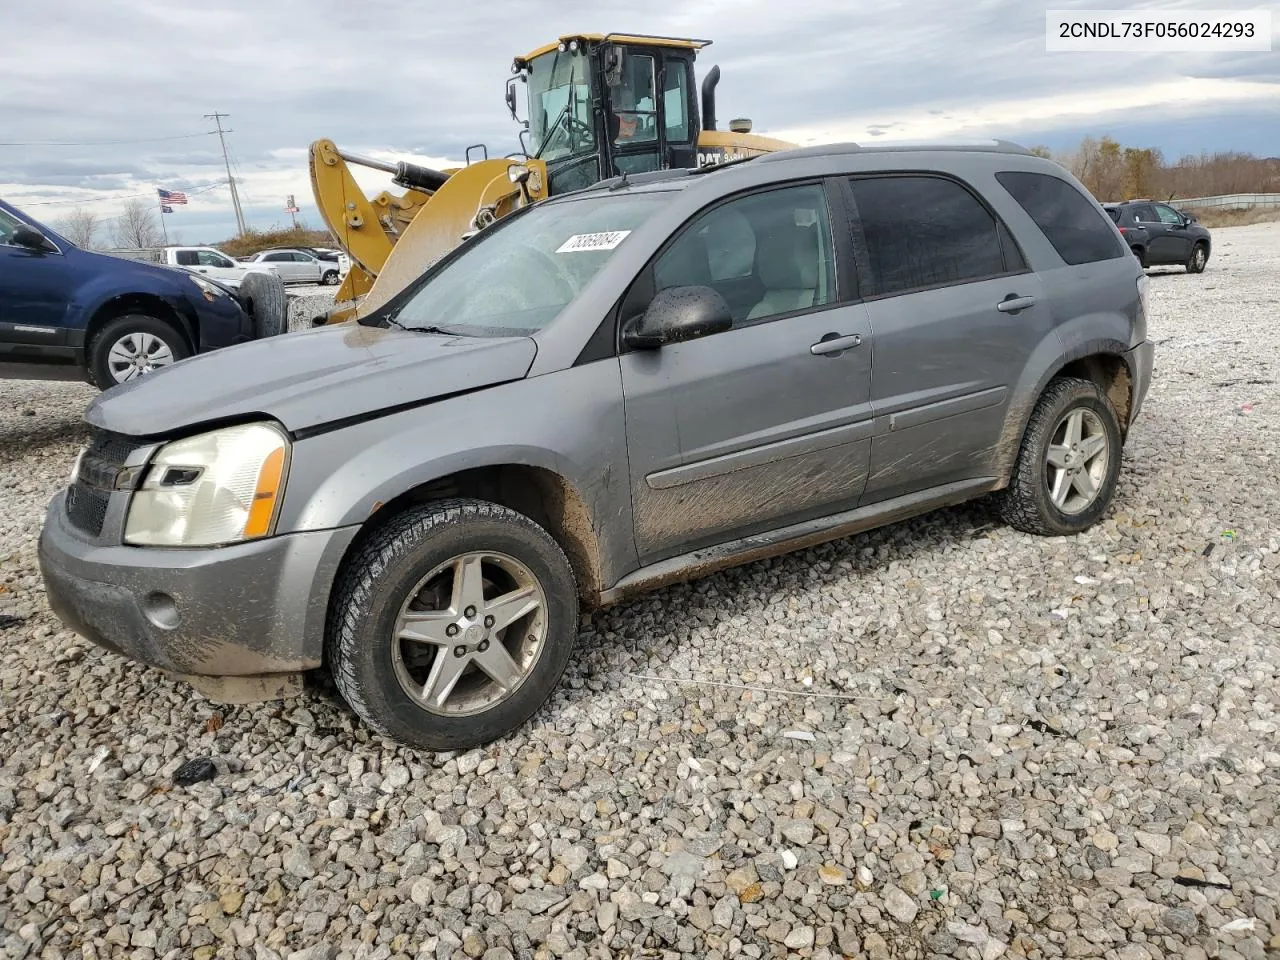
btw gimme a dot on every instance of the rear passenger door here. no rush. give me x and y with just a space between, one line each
766 423
955 312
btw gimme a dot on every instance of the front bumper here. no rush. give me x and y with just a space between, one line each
245 610
1140 361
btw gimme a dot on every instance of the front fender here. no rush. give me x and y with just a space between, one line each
569 423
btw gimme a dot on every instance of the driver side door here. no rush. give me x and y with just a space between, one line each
1172 244
766 423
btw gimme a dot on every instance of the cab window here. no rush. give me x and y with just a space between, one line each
675 102
635 105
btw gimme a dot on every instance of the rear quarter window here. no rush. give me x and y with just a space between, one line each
1066 216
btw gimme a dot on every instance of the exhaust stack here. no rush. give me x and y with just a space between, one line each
709 98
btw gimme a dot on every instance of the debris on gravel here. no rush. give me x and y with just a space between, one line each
1021 746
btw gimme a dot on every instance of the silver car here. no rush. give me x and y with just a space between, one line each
620 388
298 266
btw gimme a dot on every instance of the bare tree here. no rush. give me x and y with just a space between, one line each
81 227
137 226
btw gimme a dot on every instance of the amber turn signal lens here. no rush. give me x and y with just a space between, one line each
265 495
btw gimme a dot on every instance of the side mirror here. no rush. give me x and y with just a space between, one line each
678 314
33 239
513 99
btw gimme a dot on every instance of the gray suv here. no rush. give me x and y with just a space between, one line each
609 391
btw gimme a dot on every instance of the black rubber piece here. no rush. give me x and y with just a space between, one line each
375 581
1025 504
194 771
98 371
263 298
1191 257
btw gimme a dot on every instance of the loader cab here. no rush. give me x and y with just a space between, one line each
599 106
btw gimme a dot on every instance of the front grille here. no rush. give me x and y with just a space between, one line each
87 508
88 497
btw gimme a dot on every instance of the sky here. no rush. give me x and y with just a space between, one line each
403 79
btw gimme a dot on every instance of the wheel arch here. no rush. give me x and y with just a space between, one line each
144 303
1102 361
541 494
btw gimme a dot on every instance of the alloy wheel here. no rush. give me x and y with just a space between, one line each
469 633
1076 461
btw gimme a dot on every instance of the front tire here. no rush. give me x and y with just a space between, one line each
330 278
262 296
1069 464
131 346
1198 259
451 626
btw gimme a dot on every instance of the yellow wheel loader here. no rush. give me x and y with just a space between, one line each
597 106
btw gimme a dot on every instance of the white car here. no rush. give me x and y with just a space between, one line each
299 266
209 261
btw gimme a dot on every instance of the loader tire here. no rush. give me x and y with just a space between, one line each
263 298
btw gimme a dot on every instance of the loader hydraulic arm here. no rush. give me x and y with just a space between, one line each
437 211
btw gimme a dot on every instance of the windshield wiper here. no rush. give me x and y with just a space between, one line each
546 138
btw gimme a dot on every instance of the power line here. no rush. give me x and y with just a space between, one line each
99 143
108 199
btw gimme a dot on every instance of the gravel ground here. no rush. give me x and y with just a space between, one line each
988 745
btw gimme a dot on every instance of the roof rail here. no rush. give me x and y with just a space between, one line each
893 146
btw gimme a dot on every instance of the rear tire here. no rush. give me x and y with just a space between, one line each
131 346
513 614
1047 494
1199 258
330 278
1141 254
262 296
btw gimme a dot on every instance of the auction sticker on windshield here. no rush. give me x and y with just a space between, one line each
582 242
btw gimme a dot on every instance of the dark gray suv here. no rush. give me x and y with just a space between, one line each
609 391
1159 235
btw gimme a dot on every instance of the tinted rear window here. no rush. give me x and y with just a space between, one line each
1067 217
1114 214
922 231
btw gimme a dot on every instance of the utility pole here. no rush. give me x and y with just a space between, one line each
235 196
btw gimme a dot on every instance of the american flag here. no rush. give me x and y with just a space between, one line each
172 196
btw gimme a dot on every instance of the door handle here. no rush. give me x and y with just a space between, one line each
834 343
1013 303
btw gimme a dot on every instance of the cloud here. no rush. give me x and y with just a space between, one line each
398 80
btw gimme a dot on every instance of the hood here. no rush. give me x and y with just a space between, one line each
309 379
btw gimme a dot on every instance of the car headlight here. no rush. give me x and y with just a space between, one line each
211 293
216 488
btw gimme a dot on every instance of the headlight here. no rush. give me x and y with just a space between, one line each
211 293
215 488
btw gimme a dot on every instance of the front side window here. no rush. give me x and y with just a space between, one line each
1069 219
766 254
923 231
8 227
207 258
1168 214
515 277
560 117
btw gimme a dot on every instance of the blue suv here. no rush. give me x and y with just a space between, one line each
67 313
